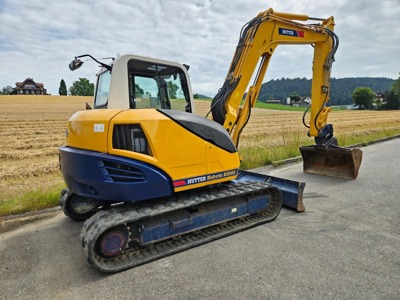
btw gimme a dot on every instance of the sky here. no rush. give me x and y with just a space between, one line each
39 38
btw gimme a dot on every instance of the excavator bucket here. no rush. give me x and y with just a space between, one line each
331 161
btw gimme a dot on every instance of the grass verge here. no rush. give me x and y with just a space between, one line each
363 139
31 200
254 156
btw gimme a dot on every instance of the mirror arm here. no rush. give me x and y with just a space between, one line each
102 64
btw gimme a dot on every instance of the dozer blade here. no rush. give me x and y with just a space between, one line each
331 161
292 191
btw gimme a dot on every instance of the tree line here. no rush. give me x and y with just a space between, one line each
341 89
81 87
366 98
341 92
364 92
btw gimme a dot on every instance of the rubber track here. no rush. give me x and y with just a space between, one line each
123 215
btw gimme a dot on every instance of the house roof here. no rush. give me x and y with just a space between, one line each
29 80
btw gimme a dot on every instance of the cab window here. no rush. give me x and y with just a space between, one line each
102 89
157 86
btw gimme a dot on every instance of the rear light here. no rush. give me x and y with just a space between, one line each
130 137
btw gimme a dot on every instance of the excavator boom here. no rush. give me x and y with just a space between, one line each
258 41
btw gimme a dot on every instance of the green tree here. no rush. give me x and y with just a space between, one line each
62 91
392 97
82 87
363 97
6 90
172 89
196 96
138 90
396 87
295 97
392 100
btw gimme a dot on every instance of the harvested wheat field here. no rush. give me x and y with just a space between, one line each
31 130
33 127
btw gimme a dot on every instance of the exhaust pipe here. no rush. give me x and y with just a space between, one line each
331 160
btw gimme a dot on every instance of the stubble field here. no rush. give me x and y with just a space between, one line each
33 127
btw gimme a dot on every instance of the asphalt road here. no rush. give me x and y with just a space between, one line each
345 246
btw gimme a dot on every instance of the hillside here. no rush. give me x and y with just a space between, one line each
341 88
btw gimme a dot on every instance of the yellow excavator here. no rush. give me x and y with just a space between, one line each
151 178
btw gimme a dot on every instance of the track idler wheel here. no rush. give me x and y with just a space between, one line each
112 242
76 207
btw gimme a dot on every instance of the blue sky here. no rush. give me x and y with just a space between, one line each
39 38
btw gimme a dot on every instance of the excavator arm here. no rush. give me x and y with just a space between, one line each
258 41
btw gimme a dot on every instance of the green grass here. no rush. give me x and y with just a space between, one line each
30 201
254 156
277 106
364 139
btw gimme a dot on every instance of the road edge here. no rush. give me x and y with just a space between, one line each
12 222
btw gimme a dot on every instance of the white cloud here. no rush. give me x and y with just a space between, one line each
39 40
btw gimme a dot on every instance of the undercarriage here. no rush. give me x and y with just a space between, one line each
128 235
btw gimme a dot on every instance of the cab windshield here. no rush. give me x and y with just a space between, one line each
153 85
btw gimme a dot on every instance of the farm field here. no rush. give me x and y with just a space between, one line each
33 127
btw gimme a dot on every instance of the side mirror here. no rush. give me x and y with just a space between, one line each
75 64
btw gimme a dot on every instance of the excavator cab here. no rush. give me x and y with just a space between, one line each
140 83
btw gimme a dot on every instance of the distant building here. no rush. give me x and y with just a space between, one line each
271 101
380 99
29 87
303 102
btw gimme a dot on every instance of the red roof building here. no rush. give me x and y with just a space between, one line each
29 87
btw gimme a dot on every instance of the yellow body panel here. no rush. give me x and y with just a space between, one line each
175 150
89 129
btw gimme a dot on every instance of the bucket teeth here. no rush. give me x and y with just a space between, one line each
331 161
